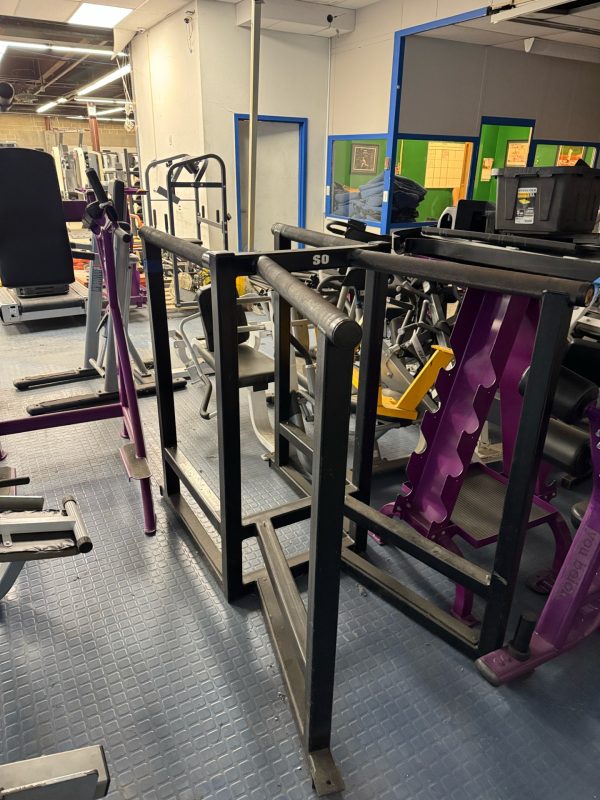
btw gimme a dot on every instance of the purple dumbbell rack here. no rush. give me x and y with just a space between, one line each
572 610
104 228
446 495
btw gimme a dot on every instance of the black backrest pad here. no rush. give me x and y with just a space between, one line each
34 244
204 298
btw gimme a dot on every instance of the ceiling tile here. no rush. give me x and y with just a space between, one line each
55 11
8 7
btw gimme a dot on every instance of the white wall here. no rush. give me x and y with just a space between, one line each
361 66
166 80
492 81
186 101
293 82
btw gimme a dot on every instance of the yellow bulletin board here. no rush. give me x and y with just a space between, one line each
516 154
445 161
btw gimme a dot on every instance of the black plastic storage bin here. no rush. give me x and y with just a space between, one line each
551 200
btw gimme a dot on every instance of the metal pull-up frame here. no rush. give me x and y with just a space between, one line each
304 638
559 285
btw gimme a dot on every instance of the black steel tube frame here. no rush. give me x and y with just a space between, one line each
174 183
552 265
496 586
304 639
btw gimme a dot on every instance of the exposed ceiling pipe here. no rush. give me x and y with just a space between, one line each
60 75
502 12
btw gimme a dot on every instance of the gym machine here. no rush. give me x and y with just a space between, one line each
102 219
42 282
555 286
304 639
28 533
74 775
100 358
186 172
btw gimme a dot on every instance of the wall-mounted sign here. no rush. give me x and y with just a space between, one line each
516 154
365 158
569 155
487 165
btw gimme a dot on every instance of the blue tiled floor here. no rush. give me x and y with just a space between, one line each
133 647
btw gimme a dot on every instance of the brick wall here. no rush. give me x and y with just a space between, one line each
30 130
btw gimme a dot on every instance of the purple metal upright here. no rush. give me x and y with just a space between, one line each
102 220
446 495
572 610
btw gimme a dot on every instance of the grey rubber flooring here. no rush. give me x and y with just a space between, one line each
133 647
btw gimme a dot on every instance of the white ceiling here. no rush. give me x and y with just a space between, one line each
512 34
53 10
339 3
148 11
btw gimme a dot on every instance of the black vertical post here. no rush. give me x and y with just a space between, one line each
281 336
281 242
224 301
369 377
548 352
334 378
161 351
197 207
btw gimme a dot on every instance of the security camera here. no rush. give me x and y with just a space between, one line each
330 18
188 17
7 96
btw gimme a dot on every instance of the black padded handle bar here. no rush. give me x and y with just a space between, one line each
506 240
173 244
96 185
311 238
336 326
470 275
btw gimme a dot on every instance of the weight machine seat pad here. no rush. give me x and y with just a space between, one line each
52 302
583 357
256 370
35 245
204 298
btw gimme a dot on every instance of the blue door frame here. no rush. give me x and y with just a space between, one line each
396 97
302 123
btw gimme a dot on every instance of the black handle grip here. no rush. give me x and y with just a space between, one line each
97 187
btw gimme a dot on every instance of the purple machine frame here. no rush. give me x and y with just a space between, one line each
493 343
104 226
572 610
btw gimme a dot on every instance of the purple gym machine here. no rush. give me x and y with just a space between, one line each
446 496
102 219
572 610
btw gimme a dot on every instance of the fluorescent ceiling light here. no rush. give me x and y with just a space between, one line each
109 78
25 45
98 16
46 107
99 101
107 119
60 48
110 111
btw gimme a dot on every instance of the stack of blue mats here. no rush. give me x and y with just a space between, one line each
367 201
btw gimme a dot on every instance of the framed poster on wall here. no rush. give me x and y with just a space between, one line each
569 154
365 158
516 154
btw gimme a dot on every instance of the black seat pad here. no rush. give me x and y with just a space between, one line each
204 298
34 244
255 368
